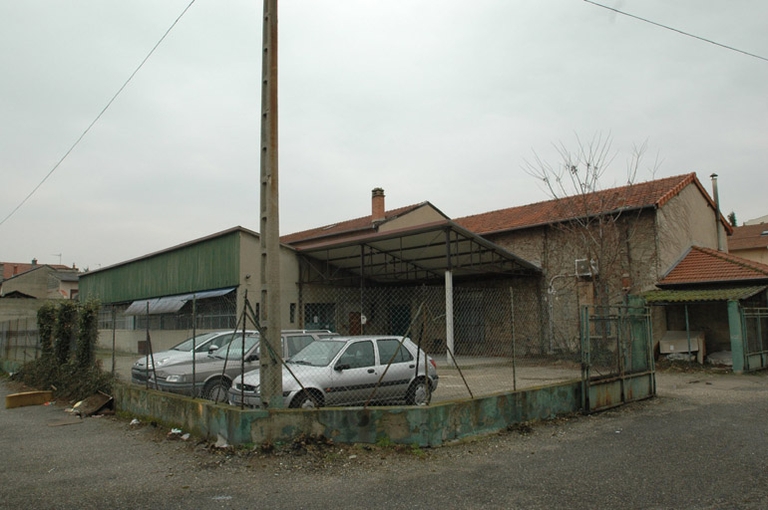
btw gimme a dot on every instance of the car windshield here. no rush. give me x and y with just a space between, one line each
186 345
234 349
319 353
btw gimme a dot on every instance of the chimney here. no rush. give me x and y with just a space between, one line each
716 197
34 262
377 205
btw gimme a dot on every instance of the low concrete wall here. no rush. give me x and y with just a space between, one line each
426 426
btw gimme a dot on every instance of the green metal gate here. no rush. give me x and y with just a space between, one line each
755 330
616 355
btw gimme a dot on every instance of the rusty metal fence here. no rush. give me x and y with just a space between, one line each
617 355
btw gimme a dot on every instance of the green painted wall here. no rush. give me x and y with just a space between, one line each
422 425
207 264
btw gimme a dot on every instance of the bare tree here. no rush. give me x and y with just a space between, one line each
598 224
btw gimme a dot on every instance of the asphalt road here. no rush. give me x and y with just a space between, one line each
701 444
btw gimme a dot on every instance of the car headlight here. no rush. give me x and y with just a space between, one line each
159 362
247 388
177 378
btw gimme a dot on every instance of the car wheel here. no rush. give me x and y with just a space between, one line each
418 394
216 390
306 400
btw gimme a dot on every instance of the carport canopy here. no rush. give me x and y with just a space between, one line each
171 304
420 253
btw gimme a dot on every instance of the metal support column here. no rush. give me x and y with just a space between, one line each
451 354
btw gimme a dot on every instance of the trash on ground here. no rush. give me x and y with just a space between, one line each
724 358
681 356
93 404
27 398
174 434
67 420
221 442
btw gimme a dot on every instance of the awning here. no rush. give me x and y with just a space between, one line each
171 304
660 297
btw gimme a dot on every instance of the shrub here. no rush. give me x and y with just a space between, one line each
60 325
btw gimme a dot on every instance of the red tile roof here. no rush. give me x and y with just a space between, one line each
11 269
348 228
749 237
631 197
705 265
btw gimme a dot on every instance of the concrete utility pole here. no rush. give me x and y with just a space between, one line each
270 350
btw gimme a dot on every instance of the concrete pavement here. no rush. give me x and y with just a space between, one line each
700 445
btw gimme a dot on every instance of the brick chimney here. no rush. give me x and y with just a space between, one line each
377 205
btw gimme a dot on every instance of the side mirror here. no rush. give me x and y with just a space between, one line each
252 357
341 366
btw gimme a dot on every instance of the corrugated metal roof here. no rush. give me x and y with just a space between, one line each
170 304
422 252
699 295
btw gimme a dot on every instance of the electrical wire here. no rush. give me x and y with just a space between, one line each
677 30
103 110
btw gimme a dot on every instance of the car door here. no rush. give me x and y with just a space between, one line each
402 368
235 364
354 374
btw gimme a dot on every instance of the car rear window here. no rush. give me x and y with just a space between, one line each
392 347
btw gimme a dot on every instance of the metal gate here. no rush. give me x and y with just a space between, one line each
616 355
755 331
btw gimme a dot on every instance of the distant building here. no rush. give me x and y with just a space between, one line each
44 282
750 242
24 287
761 219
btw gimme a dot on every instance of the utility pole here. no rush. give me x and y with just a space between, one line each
270 350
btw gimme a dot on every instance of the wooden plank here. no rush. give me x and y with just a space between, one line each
27 398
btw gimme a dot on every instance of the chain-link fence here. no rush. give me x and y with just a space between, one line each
19 340
488 339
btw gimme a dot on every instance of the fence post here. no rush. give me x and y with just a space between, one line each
737 336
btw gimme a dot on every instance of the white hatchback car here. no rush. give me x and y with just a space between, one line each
350 370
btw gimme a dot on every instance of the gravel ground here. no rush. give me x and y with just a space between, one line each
700 444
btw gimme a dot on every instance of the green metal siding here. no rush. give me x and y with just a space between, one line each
209 264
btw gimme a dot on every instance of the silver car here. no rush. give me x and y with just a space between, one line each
213 377
349 371
204 344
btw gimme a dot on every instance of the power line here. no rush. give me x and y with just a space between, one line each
677 30
103 110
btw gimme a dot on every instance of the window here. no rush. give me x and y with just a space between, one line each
390 347
295 343
358 355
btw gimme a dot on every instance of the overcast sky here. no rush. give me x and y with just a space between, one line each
432 100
